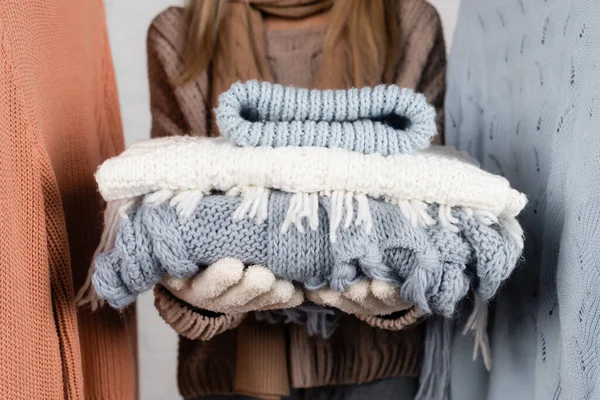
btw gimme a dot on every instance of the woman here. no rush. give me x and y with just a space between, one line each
197 53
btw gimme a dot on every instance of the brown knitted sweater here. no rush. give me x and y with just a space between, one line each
260 359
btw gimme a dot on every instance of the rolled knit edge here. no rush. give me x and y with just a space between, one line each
410 318
384 119
189 323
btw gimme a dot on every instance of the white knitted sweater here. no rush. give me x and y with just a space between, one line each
183 169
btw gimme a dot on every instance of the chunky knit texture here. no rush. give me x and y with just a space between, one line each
429 265
384 120
59 119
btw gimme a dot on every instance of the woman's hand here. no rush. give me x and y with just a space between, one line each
366 297
229 287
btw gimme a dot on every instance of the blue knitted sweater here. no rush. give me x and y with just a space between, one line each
385 119
524 98
433 266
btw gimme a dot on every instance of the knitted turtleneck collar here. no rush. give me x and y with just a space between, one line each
289 8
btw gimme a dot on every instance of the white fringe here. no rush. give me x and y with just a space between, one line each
293 211
114 213
186 202
159 197
447 220
306 206
349 199
477 323
363 213
469 211
127 207
255 204
337 209
514 229
485 217
313 217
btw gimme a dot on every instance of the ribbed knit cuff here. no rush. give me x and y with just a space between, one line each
187 321
392 323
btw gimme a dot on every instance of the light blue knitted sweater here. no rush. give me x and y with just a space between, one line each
385 119
433 266
524 98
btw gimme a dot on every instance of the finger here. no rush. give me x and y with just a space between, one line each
283 294
360 294
217 278
331 298
174 284
370 303
255 281
296 300
188 295
389 294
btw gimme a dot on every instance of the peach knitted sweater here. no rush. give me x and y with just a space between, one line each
59 119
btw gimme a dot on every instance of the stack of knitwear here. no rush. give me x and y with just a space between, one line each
325 188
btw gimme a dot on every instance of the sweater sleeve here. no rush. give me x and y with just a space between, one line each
177 109
433 80
422 55
167 118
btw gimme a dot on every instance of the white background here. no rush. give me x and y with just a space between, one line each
128 21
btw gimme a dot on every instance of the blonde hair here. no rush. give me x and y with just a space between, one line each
369 27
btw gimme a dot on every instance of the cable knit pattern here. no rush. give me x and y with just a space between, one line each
432 265
175 164
385 119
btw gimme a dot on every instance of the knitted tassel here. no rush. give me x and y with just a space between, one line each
486 217
294 210
416 285
477 323
434 382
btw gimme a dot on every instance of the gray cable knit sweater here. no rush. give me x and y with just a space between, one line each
433 266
